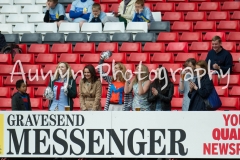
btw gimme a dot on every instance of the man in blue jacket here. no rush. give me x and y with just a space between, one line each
220 59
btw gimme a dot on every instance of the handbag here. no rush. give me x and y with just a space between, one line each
213 102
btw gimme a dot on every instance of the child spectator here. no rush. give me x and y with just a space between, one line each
81 10
97 15
21 100
142 13
55 12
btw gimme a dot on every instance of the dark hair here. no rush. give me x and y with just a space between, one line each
203 64
19 83
157 83
54 1
92 70
192 60
96 5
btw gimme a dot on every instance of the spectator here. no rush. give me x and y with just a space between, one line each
64 88
55 12
142 13
140 89
184 85
97 15
160 98
21 100
219 57
80 11
90 89
198 94
117 100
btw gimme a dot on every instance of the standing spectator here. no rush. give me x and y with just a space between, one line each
90 89
97 15
219 57
161 98
198 94
140 89
80 11
21 100
55 12
184 85
142 13
63 92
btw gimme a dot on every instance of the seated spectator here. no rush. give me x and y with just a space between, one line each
184 85
90 89
219 57
160 98
199 92
21 100
80 11
142 13
55 12
97 15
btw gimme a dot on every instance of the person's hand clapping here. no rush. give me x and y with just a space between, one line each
154 91
216 66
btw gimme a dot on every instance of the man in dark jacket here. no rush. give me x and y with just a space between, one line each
3 42
21 100
220 58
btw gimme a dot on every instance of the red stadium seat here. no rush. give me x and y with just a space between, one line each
76 104
233 80
155 1
78 79
234 37
173 16
196 16
5 59
78 69
177 47
61 48
45 105
149 5
69 58
39 48
46 59
162 58
24 58
90 58
104 7
7 69
107 47
187 7
236 68
235 91
152 67
36 103
235 15
182 57
49 67
39 81
84 48
104 92
167 37
32 69
103 102
182 27
221 92
236 57
177 0
176 93
137 57
173 66
200 47
230 46
110 1
191 37
118 57
114 8
229 103
30 91
205 26
228 26
130 47
199 0
218 16
209 35
209 6
1 81
129 66
5 92
23 47
39 92
67 10
164 7
238 48
176 104
11 82
203 56
154 47
6 103
231 6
